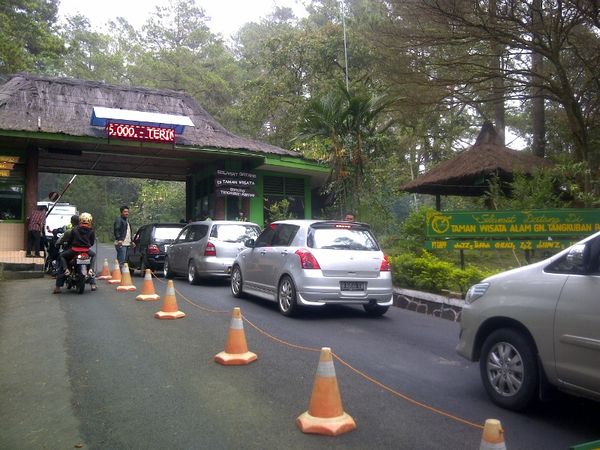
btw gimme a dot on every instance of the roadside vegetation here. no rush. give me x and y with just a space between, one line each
419 80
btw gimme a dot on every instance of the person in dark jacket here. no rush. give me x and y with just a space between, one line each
122 232
82 235
55 248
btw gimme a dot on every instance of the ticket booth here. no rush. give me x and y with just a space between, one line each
63 125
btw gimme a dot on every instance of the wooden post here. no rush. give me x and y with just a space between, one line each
31 187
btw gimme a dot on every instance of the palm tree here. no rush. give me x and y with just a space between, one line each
347 121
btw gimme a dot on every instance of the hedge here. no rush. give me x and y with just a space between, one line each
431 274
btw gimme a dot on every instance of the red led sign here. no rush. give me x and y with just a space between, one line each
140 132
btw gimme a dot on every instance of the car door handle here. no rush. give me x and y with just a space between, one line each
263 252
284 252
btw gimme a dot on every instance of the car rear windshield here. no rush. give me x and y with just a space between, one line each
342 239
234 232
166 233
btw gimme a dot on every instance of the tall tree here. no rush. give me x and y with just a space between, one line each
29 37
181 53
92 55
568 42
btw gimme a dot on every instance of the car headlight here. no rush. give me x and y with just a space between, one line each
476 291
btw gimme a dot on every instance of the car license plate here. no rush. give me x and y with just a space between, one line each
83 261
353 285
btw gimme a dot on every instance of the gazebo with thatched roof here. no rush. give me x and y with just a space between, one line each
469 172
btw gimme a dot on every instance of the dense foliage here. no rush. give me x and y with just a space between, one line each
410 85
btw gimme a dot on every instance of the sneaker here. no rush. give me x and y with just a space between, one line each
56 290
94 287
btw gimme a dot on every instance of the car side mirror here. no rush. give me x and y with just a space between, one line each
576 256
249 243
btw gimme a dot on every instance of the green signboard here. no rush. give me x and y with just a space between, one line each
513 224
474 244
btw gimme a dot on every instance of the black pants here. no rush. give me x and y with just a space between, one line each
34 239
66 256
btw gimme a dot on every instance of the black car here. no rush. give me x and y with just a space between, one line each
151 244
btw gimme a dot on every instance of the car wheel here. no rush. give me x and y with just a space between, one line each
286 297
237 284
193 277
167 272
375 310
509 369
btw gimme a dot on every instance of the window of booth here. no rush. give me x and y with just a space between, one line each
277 189
205 204
12 187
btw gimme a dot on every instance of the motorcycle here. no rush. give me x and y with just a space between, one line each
79 269
53 252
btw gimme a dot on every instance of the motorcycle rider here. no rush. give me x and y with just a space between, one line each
67 233
60 244
81 236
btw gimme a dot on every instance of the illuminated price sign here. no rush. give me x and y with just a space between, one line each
140 132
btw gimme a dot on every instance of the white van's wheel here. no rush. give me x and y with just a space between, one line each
509 369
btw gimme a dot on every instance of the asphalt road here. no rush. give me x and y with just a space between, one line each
99 371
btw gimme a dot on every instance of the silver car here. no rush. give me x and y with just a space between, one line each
207 249
315 263
537 326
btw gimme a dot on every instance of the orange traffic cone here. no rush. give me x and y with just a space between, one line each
148 293
325 413
105 274
493 436
169 309
115 276
126 283
236 349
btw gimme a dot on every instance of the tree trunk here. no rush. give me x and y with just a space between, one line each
538 113
498 88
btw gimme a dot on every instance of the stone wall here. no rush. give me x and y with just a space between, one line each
423 302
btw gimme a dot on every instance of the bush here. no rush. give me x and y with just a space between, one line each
431 274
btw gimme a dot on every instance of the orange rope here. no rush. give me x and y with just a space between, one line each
349 366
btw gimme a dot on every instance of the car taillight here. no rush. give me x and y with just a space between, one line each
385 265
210 250
153 249
307 260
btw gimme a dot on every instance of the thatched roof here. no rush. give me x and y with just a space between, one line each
64 105
467 173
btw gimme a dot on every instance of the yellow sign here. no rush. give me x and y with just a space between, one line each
513 224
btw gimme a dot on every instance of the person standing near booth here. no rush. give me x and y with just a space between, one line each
122 232
35 228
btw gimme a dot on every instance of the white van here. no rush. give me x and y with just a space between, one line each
59 216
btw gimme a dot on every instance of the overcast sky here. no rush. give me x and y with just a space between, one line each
227 16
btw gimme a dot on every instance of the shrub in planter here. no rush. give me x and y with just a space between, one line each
431 274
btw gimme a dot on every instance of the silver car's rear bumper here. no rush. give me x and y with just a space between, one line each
214 266
324 299
314 291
